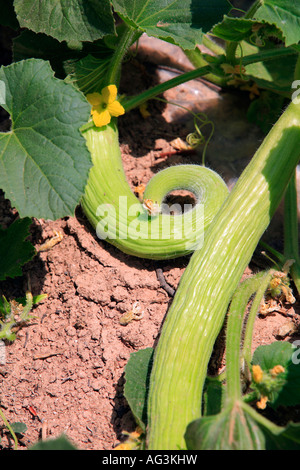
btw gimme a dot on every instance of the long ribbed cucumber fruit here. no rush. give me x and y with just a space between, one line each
120 218
209 281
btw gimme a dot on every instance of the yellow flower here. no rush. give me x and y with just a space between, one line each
277 370
257 373
262 403
105 105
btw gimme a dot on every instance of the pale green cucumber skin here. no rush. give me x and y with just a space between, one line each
107 182
209 281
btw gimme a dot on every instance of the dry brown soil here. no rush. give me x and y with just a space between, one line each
68 363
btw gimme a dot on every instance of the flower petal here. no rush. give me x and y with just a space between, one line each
101 118
109 93
116 109
94 99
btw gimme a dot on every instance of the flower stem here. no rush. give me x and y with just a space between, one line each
264 281
233 335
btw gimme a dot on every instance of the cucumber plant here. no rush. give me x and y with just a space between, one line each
82 163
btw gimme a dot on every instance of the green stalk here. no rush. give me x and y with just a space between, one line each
195 56
127 38
233 334
291 232
268 54
232 45
260 291
198 310
9 428
135 101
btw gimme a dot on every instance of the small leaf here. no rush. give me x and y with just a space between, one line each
233 29
137 376
284 15
44 161
67 20
15 251
60 443
180 22
19 428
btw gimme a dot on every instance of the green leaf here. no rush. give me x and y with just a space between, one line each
233 29
239 29
287 439
60 443
180 22
232 429
15 251
89 72
284 15
44 161
40 46
239 427
274 75
67 20
286 390
137 376
19 428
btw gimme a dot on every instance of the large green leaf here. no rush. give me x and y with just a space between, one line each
15 250
231 429
285 15
40 46
44 161
238 427
181 22
69 20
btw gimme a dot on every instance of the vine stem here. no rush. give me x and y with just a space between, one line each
9 428
162 87
291 231
234 331
135 101
264 281
232 45
127 38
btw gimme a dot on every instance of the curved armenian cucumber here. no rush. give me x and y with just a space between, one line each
121 219
209 281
